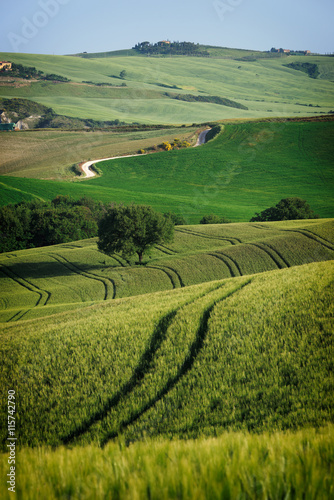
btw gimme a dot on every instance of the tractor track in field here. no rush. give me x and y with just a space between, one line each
144 366
193 352
227 264
275 256
166 250
234 262
312 236
320 237
119 260
158 336
29 286
77 270
171 278
176 283
43 295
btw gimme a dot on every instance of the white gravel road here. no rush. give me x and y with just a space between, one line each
85 167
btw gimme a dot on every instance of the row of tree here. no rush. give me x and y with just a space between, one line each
170 48
37 223
121 229
29 72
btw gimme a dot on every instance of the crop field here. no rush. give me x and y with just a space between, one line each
234 465
50 154
226 329
246 353
44 281
266 86
245 169
206 371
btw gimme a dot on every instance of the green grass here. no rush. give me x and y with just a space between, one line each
47 280
236 465
145 387
266 86
247 168
49 154
64 320
251 353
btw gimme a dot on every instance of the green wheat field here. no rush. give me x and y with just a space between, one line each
207 371
228 328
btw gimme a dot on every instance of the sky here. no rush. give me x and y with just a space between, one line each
72 26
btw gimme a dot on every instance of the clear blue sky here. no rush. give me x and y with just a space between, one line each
72 26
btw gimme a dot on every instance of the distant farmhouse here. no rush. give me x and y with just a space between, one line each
291 52
5 65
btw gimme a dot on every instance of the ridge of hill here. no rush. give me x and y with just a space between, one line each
266 86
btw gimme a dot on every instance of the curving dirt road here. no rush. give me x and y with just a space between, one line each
85 167
201 138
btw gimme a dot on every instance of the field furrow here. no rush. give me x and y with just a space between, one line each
315 237
274 255
75 269
200 312
44 295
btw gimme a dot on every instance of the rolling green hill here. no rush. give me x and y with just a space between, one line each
44 281
223 334
247 168
265 85
206 372
252 352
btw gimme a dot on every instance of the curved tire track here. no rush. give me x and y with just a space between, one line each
188 363
73 268
233 241
143 367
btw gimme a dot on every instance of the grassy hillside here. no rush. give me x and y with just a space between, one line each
247 168
103 353
44 281
251 352
266 86
50 154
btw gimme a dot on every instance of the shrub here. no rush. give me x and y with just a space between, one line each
214 219
167 146
286 209
177 219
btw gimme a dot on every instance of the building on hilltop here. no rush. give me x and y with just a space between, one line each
291 52
5 65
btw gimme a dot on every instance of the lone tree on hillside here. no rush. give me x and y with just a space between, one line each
286 209
133 229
